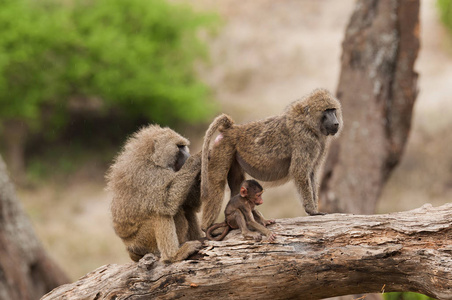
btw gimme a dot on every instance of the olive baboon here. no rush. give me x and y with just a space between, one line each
292 145
240 213
155 185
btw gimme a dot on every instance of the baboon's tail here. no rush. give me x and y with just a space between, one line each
221 122
218 237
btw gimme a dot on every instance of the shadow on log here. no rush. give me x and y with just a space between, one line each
313 257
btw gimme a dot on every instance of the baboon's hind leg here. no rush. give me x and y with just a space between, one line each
218 168
235 177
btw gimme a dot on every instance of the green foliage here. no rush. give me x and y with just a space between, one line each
30 65
136 56
445 10
405 296
139 56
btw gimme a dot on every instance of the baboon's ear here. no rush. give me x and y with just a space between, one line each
164 153
243 192
299 109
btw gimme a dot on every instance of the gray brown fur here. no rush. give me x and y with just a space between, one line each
154 206
221 123
292 145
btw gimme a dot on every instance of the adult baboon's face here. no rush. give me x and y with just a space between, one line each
182 156
329 124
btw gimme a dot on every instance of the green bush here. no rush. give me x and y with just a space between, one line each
136 56
445 11
134 59
139 55
32 65
405 296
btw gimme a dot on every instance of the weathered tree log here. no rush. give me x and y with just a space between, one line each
313 257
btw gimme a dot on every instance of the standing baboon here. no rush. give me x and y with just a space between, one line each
155 185
241 213
292 145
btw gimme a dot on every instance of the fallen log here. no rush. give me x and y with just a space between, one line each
313 257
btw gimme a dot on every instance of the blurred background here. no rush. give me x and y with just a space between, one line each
78 77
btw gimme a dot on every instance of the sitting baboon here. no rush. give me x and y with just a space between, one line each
155 185
241 213
292 145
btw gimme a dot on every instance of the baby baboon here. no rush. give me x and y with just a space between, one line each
240 213
292 145
155 185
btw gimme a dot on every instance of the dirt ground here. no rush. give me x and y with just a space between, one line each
267 54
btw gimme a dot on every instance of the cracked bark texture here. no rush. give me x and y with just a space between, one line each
377 89
26 272
313 257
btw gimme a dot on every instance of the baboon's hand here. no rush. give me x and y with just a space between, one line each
271 237
187 249
197 156
193 162
193 246
269 222
197 159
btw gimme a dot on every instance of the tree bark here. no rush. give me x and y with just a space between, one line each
377 89
26 272
313 257
15 134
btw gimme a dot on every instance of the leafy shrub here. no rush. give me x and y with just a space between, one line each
405 296
32 65
132 59
137 56
445 10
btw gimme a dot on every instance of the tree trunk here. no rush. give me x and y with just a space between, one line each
313 257
26 272
377 89
15 135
